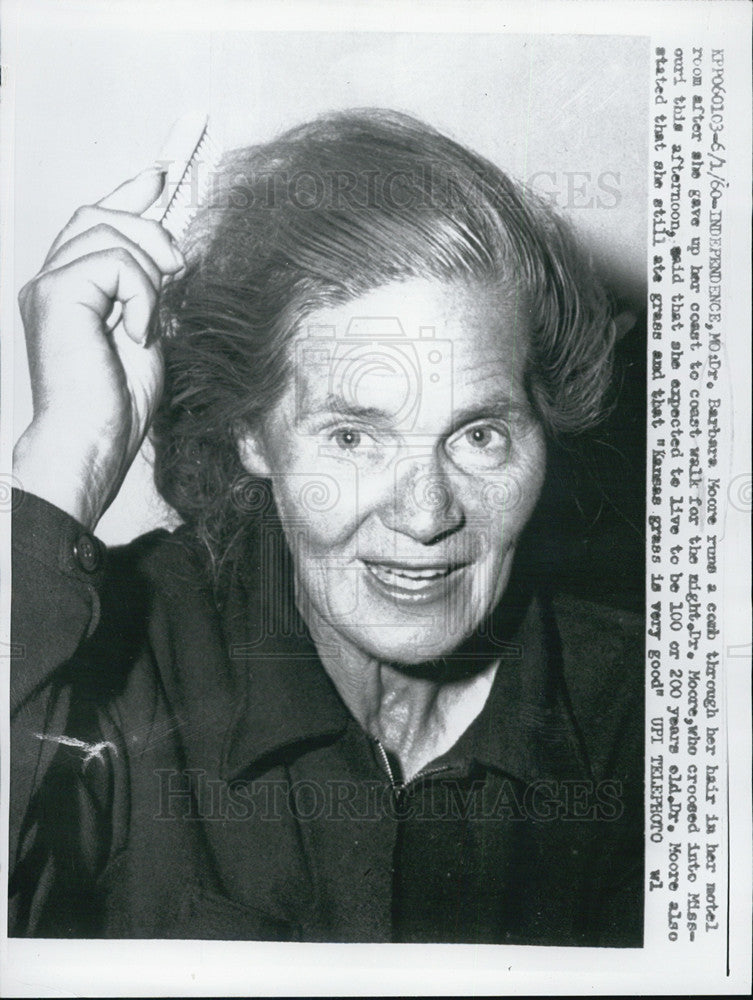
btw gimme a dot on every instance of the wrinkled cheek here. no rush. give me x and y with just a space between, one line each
506 502
317 538
319 509
343 595
321 543
331 580
495 525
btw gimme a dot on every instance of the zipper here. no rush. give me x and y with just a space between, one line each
401 787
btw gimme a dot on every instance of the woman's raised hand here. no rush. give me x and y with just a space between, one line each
94 390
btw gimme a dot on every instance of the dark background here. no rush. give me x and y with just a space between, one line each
589 530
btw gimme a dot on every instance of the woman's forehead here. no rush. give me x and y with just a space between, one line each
409 307
472 320
410 347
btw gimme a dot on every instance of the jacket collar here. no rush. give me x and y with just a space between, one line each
289 699
525 730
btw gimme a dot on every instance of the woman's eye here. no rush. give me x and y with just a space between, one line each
479 437
369 450
347 438
480 447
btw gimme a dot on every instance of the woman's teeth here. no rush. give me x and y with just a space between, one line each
409 579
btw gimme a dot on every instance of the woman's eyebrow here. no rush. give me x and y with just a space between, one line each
497 409
334 403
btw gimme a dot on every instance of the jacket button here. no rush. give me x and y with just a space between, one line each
87 552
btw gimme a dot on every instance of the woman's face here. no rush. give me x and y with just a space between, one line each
405 461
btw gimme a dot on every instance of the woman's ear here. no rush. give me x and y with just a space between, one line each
251 453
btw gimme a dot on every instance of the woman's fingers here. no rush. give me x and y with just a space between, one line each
136 194
104 237
117 276
104 224
121 209
91 283
94 390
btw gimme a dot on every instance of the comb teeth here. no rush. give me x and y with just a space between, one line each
190 157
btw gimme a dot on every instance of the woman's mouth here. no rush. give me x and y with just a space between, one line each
413 584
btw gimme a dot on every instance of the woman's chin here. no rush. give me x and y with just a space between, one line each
403 646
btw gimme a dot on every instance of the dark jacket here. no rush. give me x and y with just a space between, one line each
183 770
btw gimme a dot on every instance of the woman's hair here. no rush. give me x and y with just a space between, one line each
327 212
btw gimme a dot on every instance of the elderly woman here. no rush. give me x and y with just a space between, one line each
333 705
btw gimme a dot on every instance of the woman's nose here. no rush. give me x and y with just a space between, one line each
424 505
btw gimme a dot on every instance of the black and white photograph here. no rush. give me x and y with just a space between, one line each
359 389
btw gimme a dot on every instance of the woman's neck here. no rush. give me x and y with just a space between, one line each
417 715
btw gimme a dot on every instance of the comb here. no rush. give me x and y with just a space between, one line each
189 157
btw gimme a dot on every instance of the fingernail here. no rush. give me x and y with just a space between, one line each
170 276
153 171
